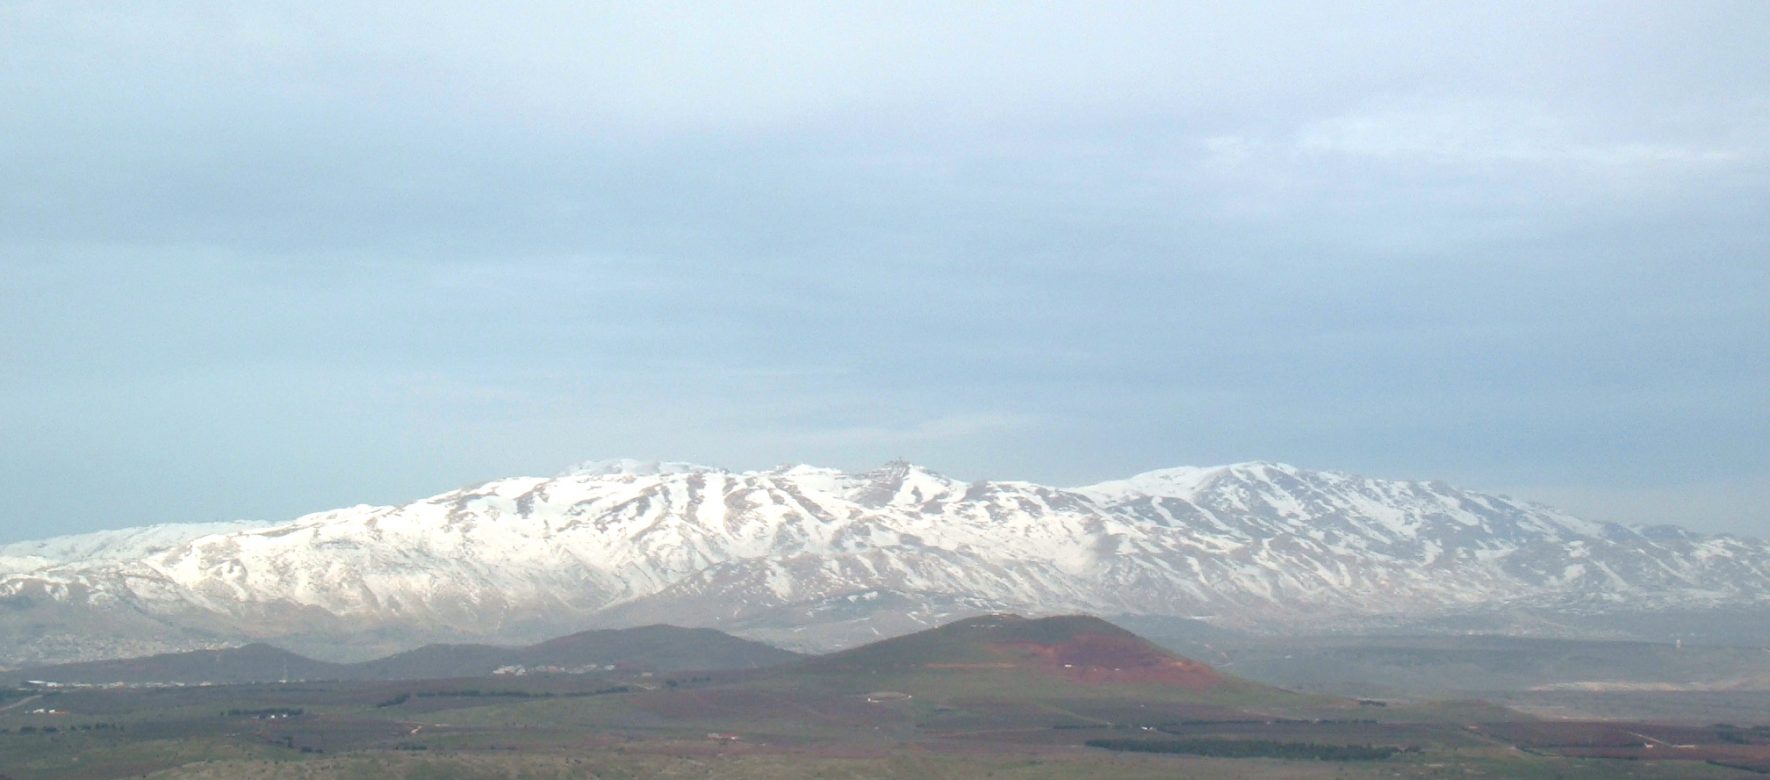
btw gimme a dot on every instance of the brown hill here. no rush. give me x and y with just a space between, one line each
1078 648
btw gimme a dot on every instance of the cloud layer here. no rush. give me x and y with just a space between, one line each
260 260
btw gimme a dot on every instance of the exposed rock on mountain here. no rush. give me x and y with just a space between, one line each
816 558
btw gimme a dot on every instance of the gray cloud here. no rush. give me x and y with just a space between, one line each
261 260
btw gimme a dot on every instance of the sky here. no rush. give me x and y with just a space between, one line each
258 260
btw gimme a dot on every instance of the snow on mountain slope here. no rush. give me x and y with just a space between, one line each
119 545
816 557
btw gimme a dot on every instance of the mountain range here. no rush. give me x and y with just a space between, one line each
816 558
623 651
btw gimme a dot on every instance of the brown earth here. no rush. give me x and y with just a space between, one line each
1102 659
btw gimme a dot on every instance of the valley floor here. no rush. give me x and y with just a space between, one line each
756 726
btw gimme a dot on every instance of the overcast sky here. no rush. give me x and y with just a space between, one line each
261 260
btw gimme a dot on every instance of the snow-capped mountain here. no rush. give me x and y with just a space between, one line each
814 557
120 545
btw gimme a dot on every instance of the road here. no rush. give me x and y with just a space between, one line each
22 702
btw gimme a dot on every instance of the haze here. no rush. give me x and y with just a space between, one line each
257 260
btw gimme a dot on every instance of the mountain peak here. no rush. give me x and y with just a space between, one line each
1263 466
1186 481
899 467
902 481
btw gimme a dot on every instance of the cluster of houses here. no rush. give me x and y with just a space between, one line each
519 669
52 684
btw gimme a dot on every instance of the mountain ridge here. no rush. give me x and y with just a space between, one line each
815 558
654 648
